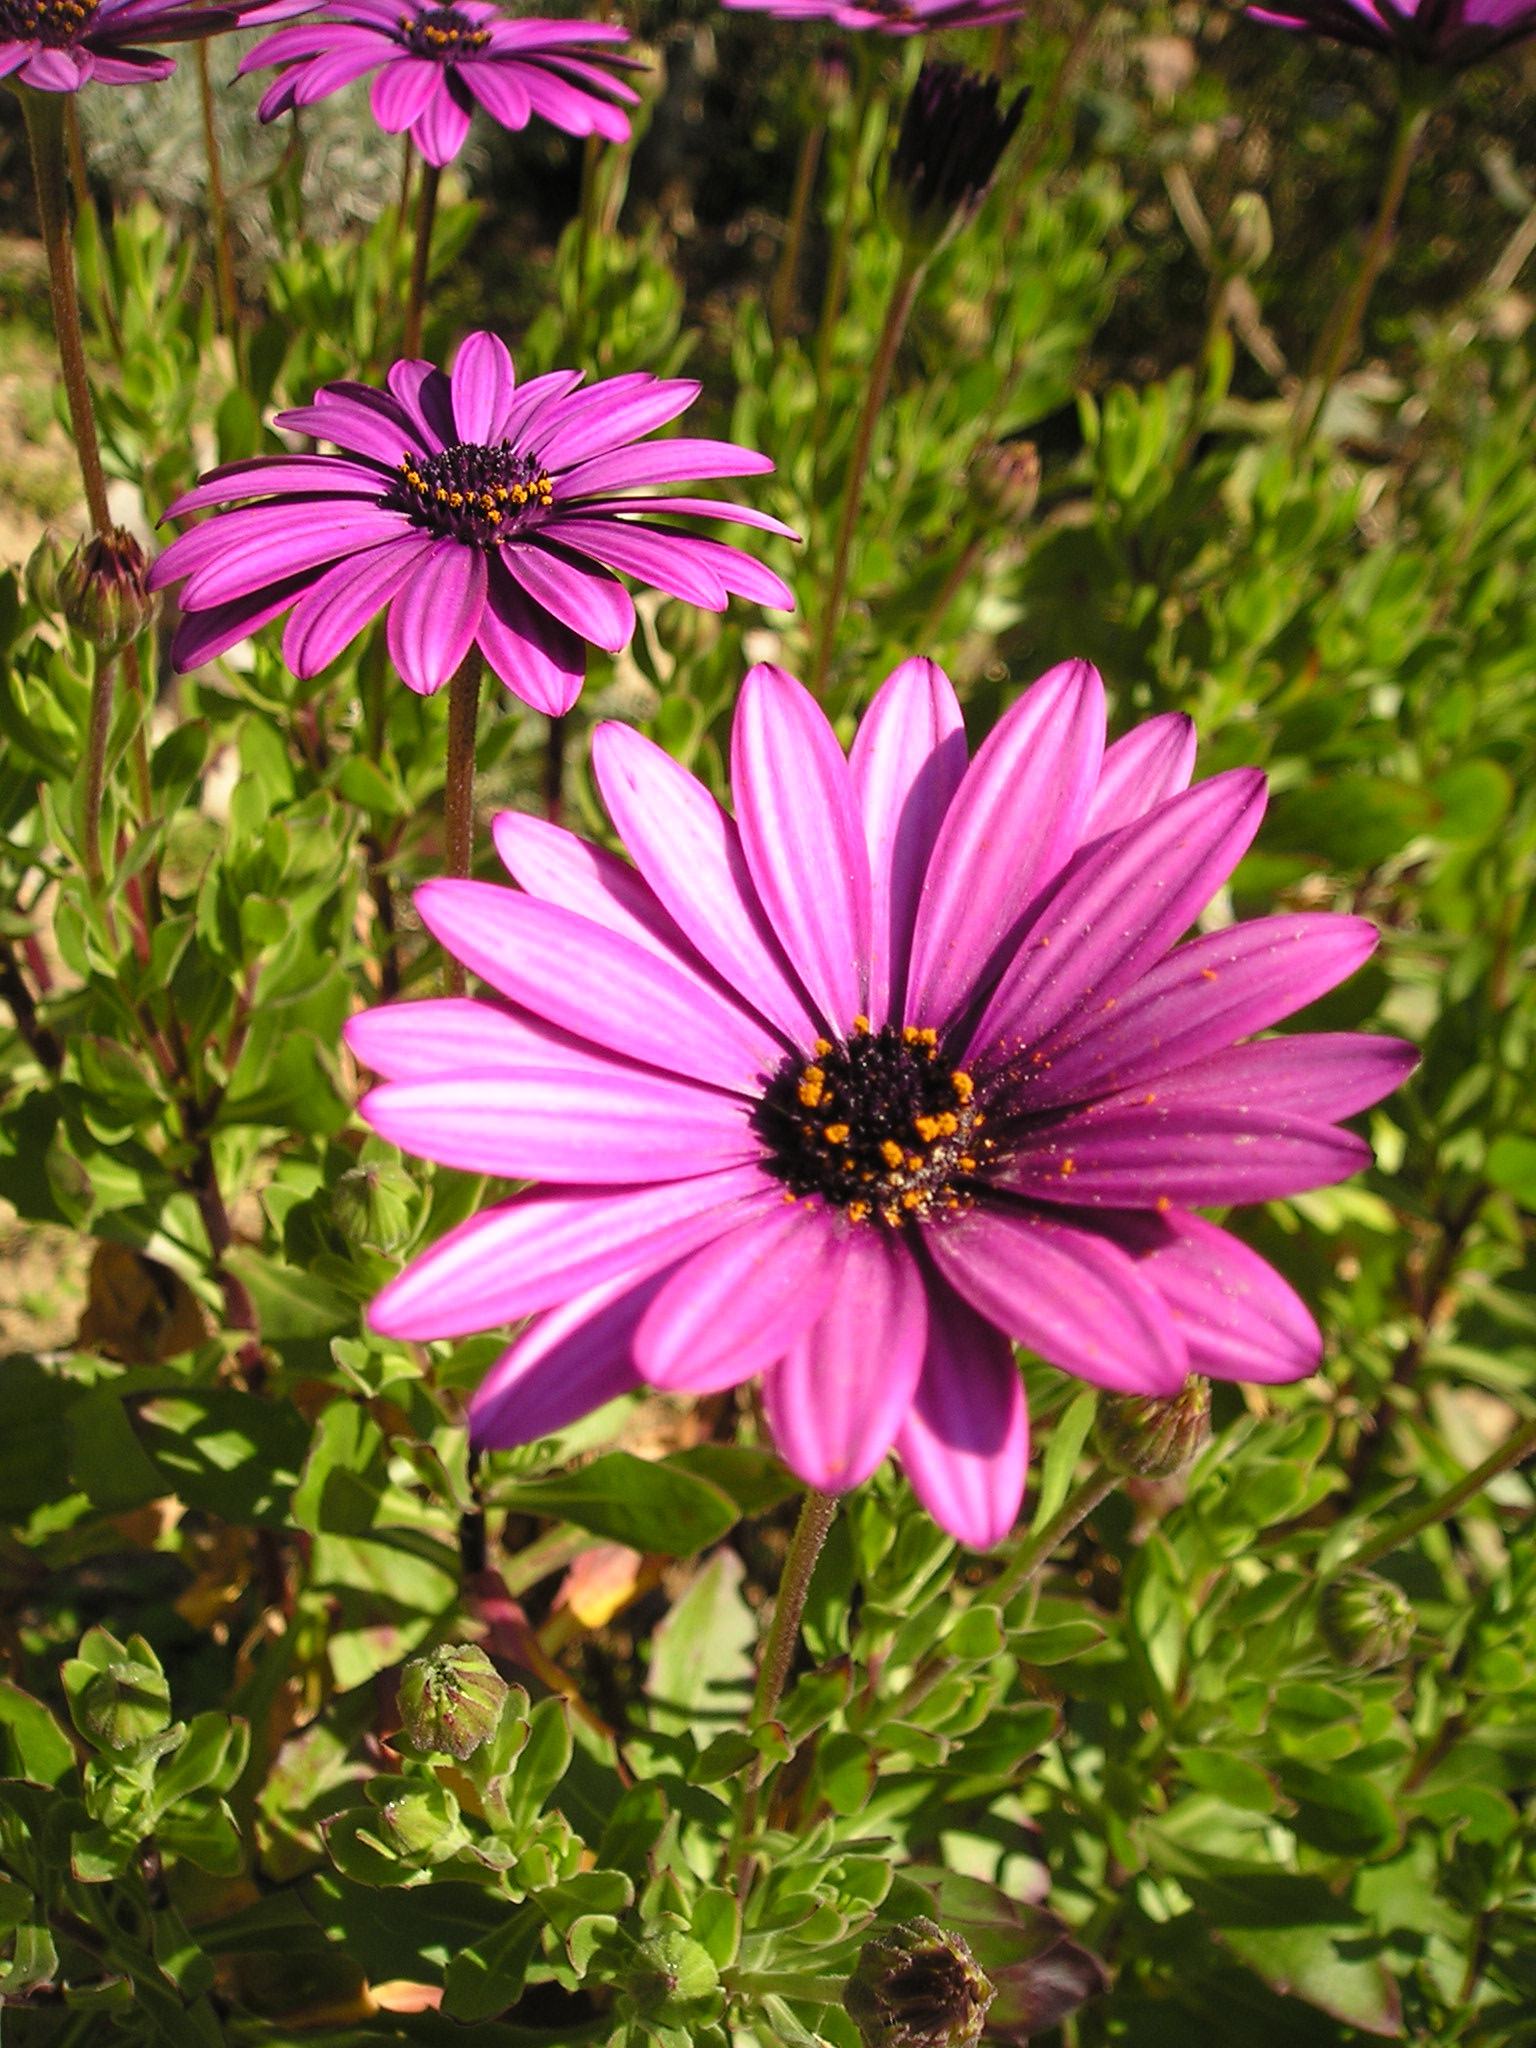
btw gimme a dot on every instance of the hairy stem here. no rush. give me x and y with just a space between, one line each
421 258
837 268
459 784
781 295
1509 1453
897 314
227 295
44 114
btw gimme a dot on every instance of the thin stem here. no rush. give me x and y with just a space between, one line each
96 763
897 314
1341 331
554 767
788 1984
781 296
50 174
77 171
459 784
228 297
139 751
588 208
1033 1552
1443 1506
938 611
421 258
837 269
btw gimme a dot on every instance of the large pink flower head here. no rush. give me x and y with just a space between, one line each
898 1066
434 64
889 17
479 511
60 45
1449 34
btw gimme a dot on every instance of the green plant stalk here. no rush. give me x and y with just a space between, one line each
459 785
786 1984
938 611
96 763
781 295
1510 1453
1341 331
554 767
584 225
421 259
837 268
227 295
897 313
1035 1549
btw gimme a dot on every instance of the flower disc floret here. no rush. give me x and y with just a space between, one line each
473 493
56 24
442 32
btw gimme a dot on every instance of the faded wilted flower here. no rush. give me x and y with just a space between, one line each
953 134
1152 1437
450 1702
917 1987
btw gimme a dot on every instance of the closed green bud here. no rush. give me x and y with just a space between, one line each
1247 237
673 1982
917 1987
124 1705
41 575
103 591
374 1206
1366 1623
1005 480
423 1824
1149 1437
450 1703
952 137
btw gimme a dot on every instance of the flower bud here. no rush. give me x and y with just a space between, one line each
451 1702
673 1982
1151 1437
917 1987
1005 480
1366 1623
953 134
831 78
1247 239
40 578
125 1704
374 1205
423 1824
103 591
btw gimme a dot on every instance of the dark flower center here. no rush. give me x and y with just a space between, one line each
56 24
441 32
471 492
879 1123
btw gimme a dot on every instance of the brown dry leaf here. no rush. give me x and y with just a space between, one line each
138 1311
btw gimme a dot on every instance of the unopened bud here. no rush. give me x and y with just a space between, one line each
1005 480
1366 1623
1151 1437
831 77
917 1987
450 1703
673 1982
1247 238
103 590
374 1205
40 578
125 1704
953 134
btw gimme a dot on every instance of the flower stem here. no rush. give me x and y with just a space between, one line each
897 314
1509 1453
1035 1549
1341 331
421 258
781 295
938 611
787 1984
227 295
96 763
459 785
44 114
837 269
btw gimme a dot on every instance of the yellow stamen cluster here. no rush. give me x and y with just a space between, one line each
440 31
490 504
56 24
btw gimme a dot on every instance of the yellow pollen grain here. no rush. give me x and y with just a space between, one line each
963 1085
911 1035
911 1199
822 1047
890 1152
1164 1204
861 1024
837 1134
1207 974
966 1163
1068 1165
810 1090
857 1211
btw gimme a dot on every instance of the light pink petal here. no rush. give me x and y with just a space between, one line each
401 90
837 1399
1240 1320
1148 1155
965 1444
736 1307
1154 761
908 760
537 658
575 1359
690 852
440 128
610 1123
600 423
1014 820
1069 1294
535 1250
482 382
332 612
432 622
590 601
589 980
560 867
803 839
1118 911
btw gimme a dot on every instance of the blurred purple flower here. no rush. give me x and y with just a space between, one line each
898 1066
891 17
478 511
435 63
60 45
1450 34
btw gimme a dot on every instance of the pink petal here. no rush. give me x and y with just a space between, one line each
736 1306
401 90
837 1399
803 839
440 128
590 601
559 867
500 91
678 461
1154 761
1325 1075
1069 1294
965 1444
332 612
458 1035
690 853
595 423
538 659
908 759
482 384
1012 823
432 622
577 1358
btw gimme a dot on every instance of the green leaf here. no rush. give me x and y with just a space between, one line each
227 1453
1062 1454
32 1744
487 1976
34 1960
1511 1165
1305 1962
1057 1643
845 1772
700 1654
1341 1813
106 1459
1230 1778
544 1760
654 1507
754 1479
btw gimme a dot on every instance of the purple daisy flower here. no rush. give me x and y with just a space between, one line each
890 17
478 511
897 1067
60 45
1448 33
434 63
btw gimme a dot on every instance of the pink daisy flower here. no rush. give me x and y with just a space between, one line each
898 1067
890 17
1451 33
